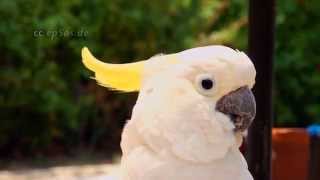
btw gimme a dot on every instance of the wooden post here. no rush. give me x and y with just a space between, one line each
314 169
261 51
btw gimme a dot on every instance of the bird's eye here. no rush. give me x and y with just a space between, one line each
205 84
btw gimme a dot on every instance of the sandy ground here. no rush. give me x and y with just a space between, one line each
71 171
82 172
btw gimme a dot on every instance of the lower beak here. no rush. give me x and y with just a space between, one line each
240 106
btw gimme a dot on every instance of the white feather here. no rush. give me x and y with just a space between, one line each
174 132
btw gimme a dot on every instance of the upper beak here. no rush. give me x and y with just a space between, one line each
240 105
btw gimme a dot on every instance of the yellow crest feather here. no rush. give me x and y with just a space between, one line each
121 77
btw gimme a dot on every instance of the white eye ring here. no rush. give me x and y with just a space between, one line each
205 84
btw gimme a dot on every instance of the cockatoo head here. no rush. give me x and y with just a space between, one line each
194 104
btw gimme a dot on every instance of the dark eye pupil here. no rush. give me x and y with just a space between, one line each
207 84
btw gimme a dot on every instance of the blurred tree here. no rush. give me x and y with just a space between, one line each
46 98
48 103
297 95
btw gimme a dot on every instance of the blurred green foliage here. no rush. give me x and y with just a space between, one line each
297 65
50 106
48 103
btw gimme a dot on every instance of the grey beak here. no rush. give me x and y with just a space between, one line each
240 106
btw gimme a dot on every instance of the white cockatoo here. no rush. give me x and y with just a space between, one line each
191 113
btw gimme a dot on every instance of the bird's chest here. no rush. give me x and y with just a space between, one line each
143 164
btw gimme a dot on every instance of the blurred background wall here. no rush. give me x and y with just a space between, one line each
50 106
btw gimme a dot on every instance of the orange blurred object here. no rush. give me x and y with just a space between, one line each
290 154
